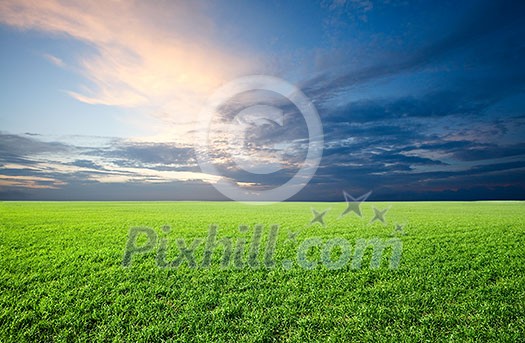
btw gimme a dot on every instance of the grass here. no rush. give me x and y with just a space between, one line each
461 276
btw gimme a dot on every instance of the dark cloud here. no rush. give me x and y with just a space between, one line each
481 21
431 105
85 164
138 154
18 146
477 152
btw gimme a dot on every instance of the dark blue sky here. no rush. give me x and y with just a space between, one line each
418 100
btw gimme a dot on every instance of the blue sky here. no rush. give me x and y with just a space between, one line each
418 100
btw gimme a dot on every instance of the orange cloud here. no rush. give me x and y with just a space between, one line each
35 182
159 55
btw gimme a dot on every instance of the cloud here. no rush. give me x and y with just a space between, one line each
401 166
20 146
30 182
55 60
160 55
29 162
479 23
86 164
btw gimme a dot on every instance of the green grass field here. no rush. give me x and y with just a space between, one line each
461 276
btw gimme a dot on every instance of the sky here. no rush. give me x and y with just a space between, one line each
418 100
